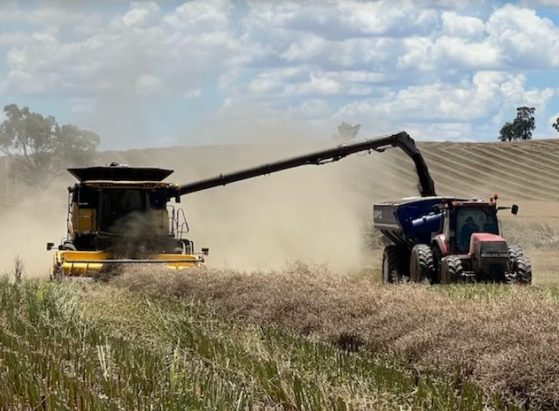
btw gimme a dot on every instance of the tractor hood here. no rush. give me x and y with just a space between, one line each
488 245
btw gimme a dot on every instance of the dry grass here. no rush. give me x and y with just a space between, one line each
505 339
533 235
90 346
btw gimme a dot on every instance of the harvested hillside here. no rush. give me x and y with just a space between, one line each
502 338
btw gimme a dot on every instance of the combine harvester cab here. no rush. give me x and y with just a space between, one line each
448 240
118 216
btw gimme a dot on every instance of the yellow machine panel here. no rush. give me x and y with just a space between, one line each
86 220
91 263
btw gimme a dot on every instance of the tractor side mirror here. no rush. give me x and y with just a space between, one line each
205 251
50 246
514 209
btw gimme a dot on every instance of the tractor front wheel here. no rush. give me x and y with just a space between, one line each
451 270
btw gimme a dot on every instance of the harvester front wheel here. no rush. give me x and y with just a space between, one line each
451 270
421 263
57 273
392 264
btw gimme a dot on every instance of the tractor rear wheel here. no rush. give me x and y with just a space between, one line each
394 258
421 263
523 270
451 270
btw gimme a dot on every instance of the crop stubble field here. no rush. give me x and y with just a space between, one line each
302 337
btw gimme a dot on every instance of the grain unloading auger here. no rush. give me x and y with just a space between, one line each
119 215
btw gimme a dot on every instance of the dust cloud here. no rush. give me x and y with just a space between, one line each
312 214
26 227
306 215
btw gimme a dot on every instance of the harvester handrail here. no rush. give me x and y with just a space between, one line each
401 140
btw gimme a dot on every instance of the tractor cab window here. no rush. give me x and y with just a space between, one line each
474 220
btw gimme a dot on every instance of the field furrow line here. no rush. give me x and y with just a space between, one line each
543 167
523 177
526 174
491 184
487 174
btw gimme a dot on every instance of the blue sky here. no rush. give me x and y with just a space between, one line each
216 71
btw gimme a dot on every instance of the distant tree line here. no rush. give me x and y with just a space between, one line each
40 148
521 127
347 132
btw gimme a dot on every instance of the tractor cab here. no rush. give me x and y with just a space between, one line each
462 219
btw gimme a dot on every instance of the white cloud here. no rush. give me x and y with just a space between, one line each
82 105
487 96
10 11
200 16
387 17
147 84
320 84
141 14
535 3
524 38
181 47
344 18
437 66
303 81
455 25
313 108
192 93
13 38
457 52
511 37
3 83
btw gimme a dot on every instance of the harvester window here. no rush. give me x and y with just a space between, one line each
87 196
117 204
158 200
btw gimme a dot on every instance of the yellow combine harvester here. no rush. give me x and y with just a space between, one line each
120 215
